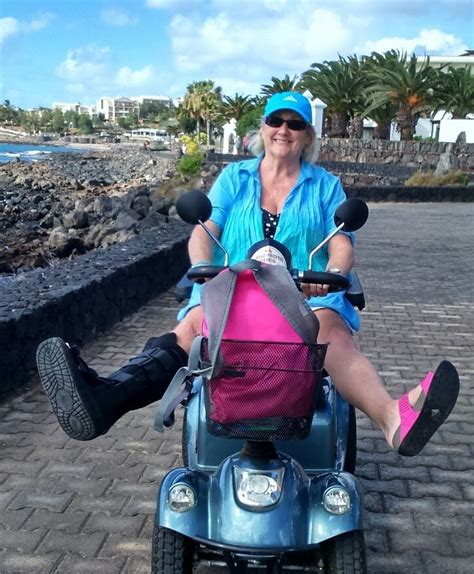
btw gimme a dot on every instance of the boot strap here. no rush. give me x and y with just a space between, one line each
152 362
180 387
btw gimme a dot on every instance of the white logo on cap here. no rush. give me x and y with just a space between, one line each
290 99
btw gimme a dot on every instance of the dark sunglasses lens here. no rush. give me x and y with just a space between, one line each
274 121
296 125
277 122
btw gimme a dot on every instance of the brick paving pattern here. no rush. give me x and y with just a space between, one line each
67 506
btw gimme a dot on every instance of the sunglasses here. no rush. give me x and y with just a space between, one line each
293 125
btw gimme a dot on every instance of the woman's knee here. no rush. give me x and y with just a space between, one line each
332 327
189 328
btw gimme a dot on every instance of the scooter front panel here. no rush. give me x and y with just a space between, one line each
316 453
297 521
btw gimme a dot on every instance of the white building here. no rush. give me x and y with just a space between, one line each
115 108
153 100
67 107
78 108
466 59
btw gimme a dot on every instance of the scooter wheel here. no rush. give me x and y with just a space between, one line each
351 449
345 554
172 553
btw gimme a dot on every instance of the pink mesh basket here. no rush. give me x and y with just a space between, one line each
264 390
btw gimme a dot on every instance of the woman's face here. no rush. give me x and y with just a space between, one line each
283 143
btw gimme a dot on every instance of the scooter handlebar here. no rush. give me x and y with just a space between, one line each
336 281
202 272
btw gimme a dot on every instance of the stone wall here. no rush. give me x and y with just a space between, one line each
381 163
78 298
415 154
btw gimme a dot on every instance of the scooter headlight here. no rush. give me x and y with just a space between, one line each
258 489
336 500
181 497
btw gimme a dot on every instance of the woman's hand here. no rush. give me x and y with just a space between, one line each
314 290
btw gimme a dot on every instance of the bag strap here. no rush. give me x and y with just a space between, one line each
173 396
216 300
277 283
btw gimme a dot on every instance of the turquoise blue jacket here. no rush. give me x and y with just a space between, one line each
306 219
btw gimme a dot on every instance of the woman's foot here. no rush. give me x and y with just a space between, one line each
69 384
424 409
87 405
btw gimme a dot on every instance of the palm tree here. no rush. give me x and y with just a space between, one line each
406 85
357 68
282 85
237 106
198 103
384 114
339 84
212 106
455 92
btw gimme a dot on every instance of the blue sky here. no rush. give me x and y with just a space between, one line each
81 50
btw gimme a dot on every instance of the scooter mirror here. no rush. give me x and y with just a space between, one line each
353 213
194 207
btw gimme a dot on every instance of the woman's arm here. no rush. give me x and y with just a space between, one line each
341 253
200 245
341 256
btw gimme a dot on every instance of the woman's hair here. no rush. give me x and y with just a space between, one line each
310 152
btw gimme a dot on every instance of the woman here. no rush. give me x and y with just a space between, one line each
279 194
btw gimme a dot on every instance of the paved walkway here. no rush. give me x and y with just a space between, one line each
67 506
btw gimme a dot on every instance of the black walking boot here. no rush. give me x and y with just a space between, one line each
86 404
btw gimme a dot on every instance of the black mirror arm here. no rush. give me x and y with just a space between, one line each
322 244
216 241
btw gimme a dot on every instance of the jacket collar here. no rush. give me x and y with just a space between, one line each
252 166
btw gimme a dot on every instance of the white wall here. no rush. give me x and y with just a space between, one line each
450 129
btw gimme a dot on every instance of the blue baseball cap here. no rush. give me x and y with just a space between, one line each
293 101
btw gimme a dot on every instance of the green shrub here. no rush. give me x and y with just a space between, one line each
427 139
431 179
190 164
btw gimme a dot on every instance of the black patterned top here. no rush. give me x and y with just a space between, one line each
270 222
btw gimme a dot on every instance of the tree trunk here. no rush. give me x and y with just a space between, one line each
382 131
355 128
406 122
338 125
208 132
198 127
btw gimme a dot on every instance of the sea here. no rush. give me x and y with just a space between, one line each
32 152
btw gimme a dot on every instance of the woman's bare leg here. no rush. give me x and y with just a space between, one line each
355 377
189 328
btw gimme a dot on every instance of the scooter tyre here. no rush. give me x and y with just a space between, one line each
351 450
185 439
172 553
345 554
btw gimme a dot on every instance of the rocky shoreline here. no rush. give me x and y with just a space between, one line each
73 203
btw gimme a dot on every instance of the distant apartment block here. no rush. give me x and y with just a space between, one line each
153 100
114 108
77 108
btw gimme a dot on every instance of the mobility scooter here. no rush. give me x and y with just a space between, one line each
261 493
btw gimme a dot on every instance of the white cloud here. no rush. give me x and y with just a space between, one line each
117 17
128 77
41 22
84 64
172 4
8 27
428 41
287 44
241 44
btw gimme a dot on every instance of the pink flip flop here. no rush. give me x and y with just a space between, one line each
419 422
